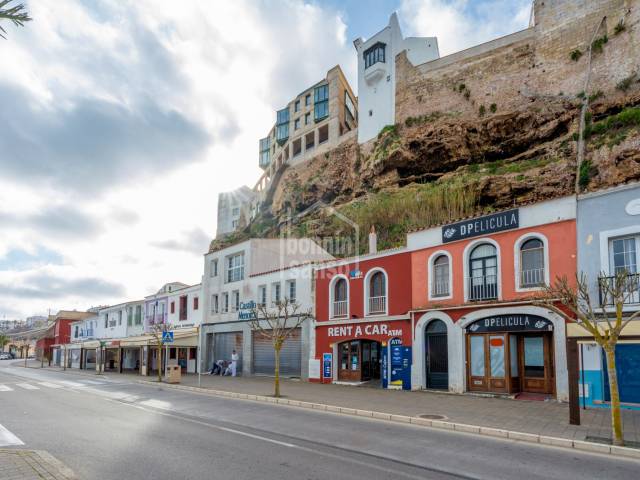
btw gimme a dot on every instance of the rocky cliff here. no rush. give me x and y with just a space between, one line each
489 130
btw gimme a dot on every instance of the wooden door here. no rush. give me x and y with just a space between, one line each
536 364
514 363
497 362
350 366
476 363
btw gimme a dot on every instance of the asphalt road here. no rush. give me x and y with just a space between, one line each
113 429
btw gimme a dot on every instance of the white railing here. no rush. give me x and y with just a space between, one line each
377 304
340 308
440 289
483 287
532 278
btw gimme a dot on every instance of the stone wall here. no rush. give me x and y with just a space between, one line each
512 71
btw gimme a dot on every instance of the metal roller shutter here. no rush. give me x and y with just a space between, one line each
224 344
290 356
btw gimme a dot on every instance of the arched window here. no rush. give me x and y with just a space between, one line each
532 263
483 272
377 288
340 307
440 280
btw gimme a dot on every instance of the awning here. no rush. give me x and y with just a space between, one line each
631 330
187 337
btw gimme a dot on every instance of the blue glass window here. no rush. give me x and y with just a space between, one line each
321 102
282 125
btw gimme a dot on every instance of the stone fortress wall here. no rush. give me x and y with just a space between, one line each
534 63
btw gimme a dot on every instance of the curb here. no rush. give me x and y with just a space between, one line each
590 447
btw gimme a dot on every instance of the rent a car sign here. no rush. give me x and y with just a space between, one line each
366 329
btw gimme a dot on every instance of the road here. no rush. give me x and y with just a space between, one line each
107 428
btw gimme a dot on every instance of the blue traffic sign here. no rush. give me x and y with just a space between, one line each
167 337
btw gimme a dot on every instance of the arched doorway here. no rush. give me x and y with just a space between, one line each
437 355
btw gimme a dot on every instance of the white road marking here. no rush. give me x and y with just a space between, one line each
257 437
50 385
7 438
71 384
27 386
191 420
5 388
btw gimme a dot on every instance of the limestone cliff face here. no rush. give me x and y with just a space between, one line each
487 128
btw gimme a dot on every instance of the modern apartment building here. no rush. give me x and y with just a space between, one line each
377 73
315 121
234 210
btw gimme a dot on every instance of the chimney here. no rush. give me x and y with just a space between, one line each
373 240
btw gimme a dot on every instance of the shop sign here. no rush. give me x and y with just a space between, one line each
496 222
368 329
114 343
327 365
355 274
247 310
511 323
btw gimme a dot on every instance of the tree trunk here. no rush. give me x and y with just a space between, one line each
160 364
616 417
277 372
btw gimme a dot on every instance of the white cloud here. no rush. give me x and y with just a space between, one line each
461 24
220 68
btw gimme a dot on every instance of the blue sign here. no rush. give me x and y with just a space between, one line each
167 337
327 365
247 311
355 274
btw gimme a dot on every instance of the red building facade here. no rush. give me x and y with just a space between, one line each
479 324
362 307
464 300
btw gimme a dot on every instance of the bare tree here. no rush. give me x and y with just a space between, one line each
16 14
598 321
277 324
157 331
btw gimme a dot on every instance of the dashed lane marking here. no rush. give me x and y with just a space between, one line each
50 385
27 386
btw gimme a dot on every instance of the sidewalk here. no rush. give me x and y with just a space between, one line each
31 465
547 418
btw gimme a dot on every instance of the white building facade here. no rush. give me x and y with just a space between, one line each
377 74
242 276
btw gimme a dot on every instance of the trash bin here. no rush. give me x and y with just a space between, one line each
173 374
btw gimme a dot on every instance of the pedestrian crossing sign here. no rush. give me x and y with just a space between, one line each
167 337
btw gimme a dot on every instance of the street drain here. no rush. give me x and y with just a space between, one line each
431 416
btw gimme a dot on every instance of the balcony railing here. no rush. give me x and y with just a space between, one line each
440 289
532 278
631 288
377 305
340 308
483 287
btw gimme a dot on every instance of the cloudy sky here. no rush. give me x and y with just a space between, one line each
121 121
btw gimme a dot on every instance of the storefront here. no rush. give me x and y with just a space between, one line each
186 357
131 359
510 353
74 355
89 356
290 354
365 351
224 344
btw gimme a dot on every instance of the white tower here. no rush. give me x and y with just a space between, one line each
377 74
